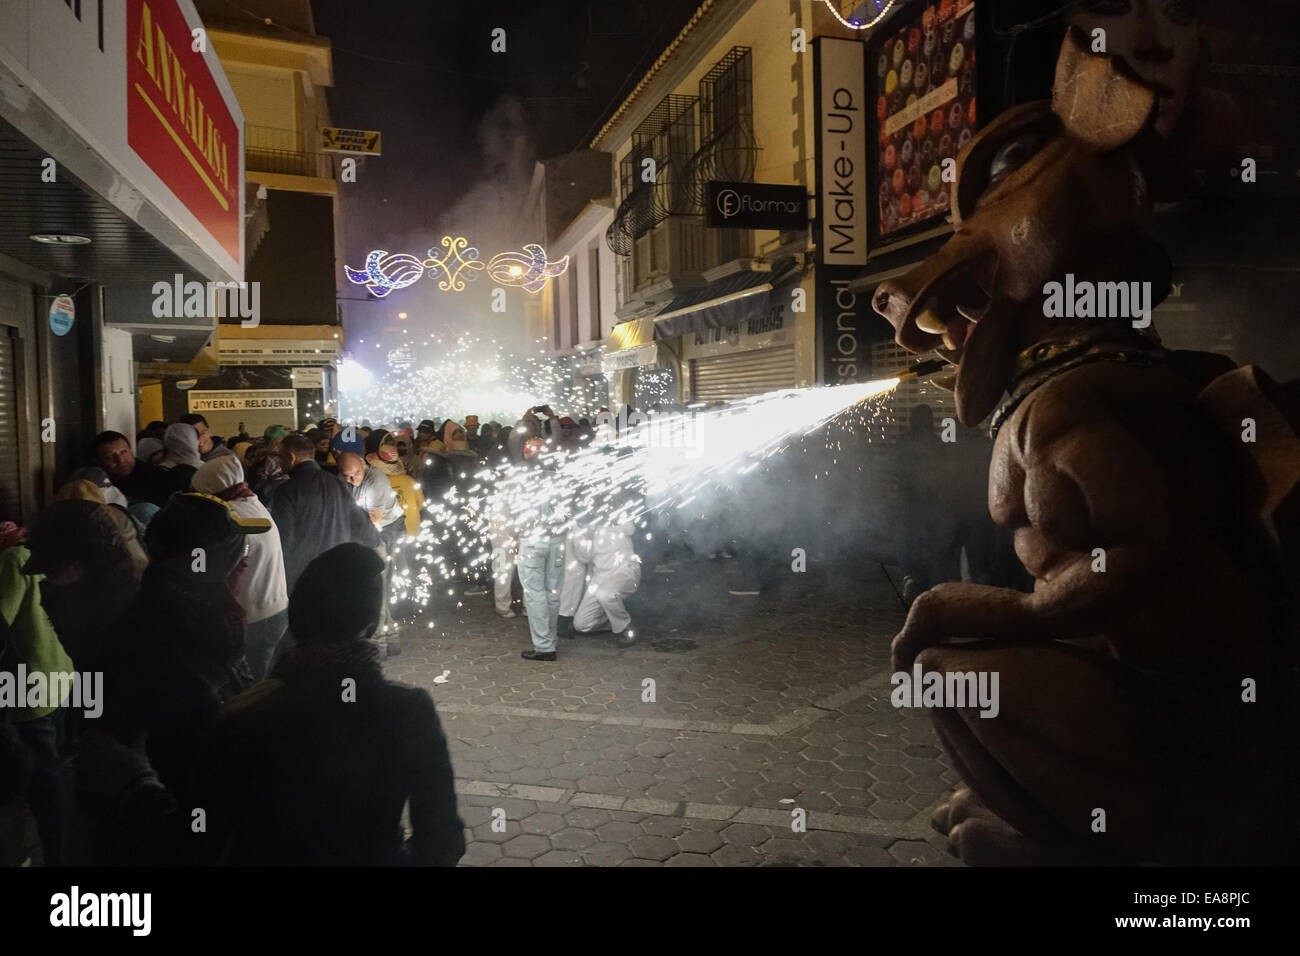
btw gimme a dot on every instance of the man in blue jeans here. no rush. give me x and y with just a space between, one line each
541 549
541 572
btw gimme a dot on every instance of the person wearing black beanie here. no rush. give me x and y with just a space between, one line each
313 766
321 613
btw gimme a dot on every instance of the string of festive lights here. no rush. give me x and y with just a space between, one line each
456 264
854 22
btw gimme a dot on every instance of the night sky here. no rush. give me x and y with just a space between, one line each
462 125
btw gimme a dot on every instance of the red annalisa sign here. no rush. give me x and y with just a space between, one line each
178 121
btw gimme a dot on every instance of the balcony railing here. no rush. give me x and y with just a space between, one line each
268 149
679 249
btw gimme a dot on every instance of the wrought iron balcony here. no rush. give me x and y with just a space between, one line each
268 149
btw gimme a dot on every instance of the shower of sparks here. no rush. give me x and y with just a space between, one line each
458 376
624 474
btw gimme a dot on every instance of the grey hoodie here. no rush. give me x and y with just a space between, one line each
375 493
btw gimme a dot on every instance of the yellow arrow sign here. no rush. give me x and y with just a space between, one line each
337 140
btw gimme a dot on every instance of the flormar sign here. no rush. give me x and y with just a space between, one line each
178 121
756 206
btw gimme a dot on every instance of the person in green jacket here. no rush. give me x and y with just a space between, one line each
41 729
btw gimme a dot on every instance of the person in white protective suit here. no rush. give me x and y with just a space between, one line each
600 572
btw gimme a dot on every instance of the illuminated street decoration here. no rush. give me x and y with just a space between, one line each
457 263
460 257
384 273
858 15
530 271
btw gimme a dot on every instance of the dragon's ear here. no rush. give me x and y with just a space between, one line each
1097 97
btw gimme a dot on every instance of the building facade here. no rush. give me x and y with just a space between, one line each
571 205
764 108
121 174
283 367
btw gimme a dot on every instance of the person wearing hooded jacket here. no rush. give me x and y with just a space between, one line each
375 494
263 594
182 459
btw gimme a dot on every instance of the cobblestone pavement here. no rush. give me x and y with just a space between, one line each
761 707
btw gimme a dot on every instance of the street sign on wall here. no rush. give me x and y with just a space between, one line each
244 399
756 206
309 377
844 319
337 140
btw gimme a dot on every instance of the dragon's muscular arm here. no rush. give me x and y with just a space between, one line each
1087 484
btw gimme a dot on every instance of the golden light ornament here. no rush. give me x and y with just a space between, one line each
459 262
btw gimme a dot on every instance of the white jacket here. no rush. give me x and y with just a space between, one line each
609 551
263 591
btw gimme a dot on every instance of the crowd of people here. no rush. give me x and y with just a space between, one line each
236 595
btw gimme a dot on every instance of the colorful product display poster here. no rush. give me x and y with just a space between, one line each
925 85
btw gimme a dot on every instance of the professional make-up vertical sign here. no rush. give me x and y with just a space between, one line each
842 316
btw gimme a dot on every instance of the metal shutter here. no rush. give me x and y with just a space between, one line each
10 453
728 378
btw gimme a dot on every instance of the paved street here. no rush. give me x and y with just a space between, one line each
761 707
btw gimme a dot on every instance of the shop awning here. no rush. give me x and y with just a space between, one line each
721 304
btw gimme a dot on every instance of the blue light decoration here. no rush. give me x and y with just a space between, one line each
457 263
530 271
384 273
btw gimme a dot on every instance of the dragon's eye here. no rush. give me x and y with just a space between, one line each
1012 156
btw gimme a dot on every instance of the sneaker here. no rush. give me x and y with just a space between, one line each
537 655
626 639
510 613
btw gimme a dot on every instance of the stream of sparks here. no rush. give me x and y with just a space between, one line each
665 463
